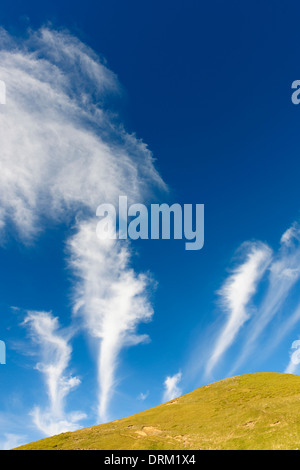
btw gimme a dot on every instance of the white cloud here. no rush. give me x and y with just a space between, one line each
62 155
236 294
111 298
283 275
294 358
290 235
11 441
143 396
55 353
59 151
291 368
172 389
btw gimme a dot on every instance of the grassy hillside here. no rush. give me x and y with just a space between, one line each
256 411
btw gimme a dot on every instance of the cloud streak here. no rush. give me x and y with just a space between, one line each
55 352
284 274
274 275
112 300
236 294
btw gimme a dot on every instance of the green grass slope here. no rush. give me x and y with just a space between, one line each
255 411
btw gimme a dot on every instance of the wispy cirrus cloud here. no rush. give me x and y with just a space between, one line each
280 273
284 273
55 352
112 300
60 151
11 441
236 294
171 386
64 153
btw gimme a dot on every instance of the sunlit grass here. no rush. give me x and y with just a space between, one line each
256 411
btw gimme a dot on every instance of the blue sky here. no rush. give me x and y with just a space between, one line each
207 87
